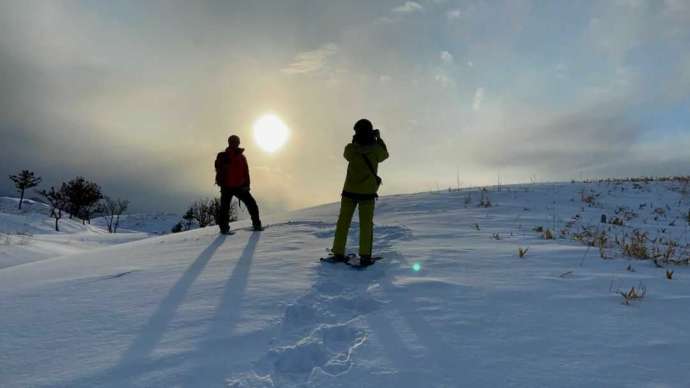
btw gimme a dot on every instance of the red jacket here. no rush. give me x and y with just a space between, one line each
232 170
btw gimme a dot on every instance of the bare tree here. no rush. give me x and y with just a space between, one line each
57 201
204 213
113 209
24 180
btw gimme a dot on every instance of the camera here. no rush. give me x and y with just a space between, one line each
377 133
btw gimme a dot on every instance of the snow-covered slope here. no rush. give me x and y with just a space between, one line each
258 309
29 234
152 223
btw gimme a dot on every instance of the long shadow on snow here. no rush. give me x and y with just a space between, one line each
135 359
155 327
217 348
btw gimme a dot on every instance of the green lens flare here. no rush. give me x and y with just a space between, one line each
416 267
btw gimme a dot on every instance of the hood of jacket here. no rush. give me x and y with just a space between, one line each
237 151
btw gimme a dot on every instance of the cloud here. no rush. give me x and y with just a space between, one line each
595 140
408 7
444 80
561 70
147 105
454 14
478 98
446 57
311 61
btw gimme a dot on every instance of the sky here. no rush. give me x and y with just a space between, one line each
140 96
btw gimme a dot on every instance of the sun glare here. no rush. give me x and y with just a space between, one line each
270 133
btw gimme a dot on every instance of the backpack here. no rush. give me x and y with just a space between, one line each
221 164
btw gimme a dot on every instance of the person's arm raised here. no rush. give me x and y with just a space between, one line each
382 152
349 153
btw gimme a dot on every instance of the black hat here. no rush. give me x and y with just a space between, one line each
363 126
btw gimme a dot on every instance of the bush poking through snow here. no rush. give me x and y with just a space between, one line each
600 240
484 200
522 252
637 247
548 234
177 228
617 221
633 294
587 198
669 274
666 253
23 238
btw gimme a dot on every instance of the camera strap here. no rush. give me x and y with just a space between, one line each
371 168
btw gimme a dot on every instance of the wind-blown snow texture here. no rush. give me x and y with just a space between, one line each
259 310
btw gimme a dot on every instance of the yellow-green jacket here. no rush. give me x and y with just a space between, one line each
360 182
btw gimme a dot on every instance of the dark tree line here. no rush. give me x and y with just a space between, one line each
78 198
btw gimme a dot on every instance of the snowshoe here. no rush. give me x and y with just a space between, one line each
337 258
362 261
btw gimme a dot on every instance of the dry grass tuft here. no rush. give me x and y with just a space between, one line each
484 200
637 246
633 294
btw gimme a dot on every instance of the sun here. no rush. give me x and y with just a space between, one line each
270 133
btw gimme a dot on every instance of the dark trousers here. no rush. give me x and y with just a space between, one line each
243 194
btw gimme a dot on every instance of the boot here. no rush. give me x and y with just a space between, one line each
338 258
365 260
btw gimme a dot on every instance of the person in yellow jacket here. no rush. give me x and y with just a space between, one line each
362 182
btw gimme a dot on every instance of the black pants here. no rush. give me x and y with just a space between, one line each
243 195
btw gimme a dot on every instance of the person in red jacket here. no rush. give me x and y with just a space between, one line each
232 175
